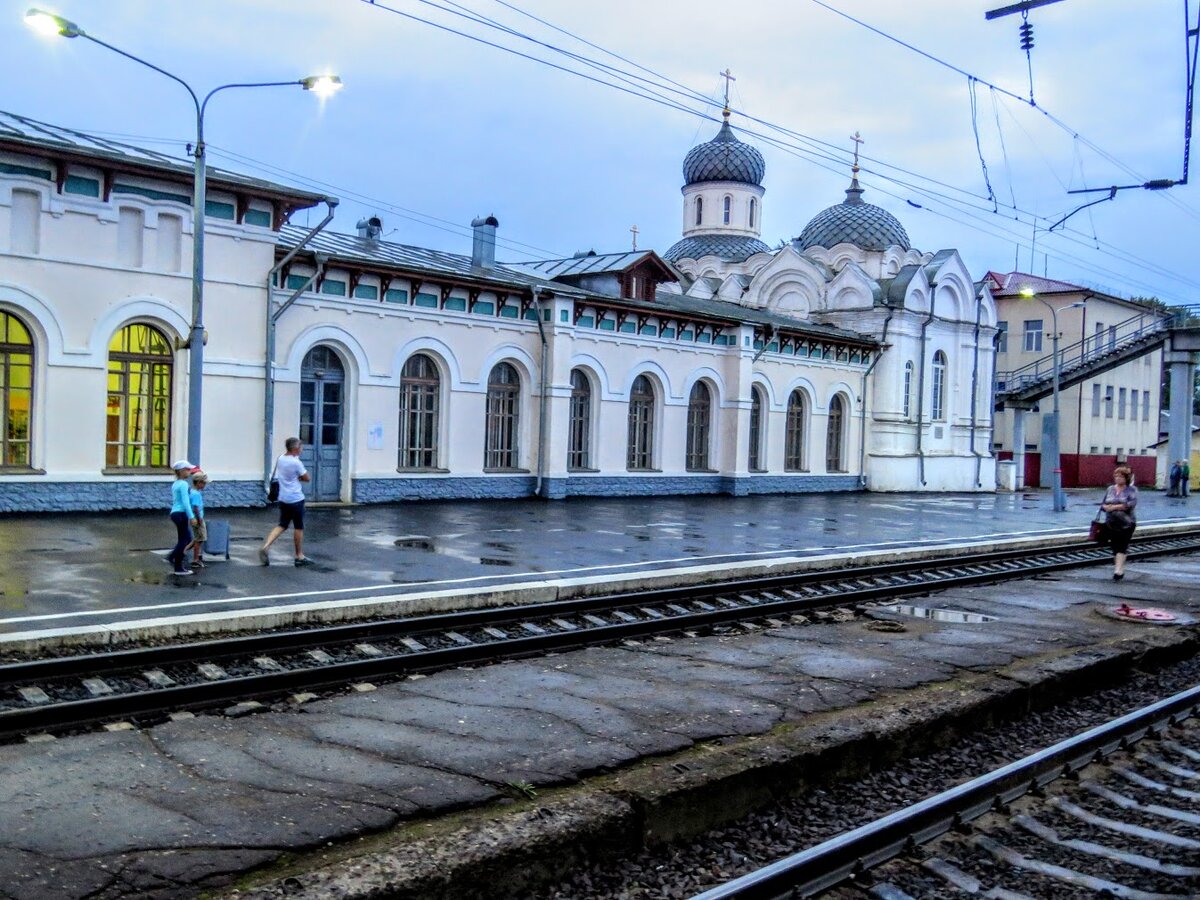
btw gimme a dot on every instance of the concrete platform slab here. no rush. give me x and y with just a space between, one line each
651 729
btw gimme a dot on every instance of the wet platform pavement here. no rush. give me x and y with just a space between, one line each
169 810
59 571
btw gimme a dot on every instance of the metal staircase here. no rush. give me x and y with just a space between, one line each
1092 356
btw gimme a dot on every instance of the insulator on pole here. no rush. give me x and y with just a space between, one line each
1026 30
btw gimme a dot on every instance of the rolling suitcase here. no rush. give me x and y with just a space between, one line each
218 538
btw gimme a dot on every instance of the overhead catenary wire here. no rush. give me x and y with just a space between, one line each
807 153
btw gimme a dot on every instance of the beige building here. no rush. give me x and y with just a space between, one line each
1107 419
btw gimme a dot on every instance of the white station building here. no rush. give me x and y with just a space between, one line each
844 360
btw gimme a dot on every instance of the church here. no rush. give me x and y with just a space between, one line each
843 360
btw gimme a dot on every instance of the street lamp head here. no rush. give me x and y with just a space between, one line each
322 85
50 25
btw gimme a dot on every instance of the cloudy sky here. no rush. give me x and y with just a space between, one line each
433 129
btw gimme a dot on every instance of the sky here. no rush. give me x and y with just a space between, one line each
433 129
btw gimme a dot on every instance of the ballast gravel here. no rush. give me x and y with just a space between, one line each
679 871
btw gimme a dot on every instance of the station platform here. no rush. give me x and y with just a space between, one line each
102 578
454 784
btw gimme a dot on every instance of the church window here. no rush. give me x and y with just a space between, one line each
753 210
699 427
578 451
16 391
835 438
937 405
420 408
640 449
138 421
795 457
503 406
727 211
1001 337
699 210
756 429
908 377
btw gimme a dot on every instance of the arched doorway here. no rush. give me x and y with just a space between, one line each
322 414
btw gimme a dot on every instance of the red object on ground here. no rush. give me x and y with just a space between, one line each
1126 611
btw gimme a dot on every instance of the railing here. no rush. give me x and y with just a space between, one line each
1115 339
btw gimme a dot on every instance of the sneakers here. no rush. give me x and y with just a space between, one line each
183 572
304 561
263 557
199 564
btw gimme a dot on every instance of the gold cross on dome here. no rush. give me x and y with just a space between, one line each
729 79
858 140
634 232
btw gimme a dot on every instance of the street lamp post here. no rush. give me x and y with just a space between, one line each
323 85
1059 498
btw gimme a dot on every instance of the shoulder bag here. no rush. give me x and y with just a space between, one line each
1098 531
273 487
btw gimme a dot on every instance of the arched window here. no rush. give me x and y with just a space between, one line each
727 210
699 427
503 406
16 391
835 438
420 410
580 435
795 457
699 210
757 403
937 408
640 448
753 210
908 376
138 428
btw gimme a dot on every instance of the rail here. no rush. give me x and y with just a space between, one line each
820 868
147 682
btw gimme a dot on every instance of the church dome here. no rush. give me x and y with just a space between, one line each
729 247
724 158
854 222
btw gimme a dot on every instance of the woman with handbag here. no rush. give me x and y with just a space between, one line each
1119 503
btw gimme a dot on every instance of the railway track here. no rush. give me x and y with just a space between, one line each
1110 812
64 693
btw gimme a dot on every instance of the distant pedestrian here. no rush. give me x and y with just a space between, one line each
199 528
1119 503
290 472
1185 476
1176 475
181 514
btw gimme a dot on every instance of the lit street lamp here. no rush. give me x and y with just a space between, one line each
1060 499
323 85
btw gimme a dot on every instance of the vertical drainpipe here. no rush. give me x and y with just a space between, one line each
921 385
542 398
862 416
272 318
975 395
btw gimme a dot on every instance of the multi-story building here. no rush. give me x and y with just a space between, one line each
1106 420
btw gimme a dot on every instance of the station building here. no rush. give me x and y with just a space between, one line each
842 360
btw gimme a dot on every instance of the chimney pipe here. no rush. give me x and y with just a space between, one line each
370 228
483 246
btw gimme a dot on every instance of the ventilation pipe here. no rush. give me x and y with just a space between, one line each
483 244
272 319
370 229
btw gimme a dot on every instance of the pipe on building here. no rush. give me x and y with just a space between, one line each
921 385
975 394
862 415
542 398
272 319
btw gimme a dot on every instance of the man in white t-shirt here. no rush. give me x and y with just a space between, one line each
290 472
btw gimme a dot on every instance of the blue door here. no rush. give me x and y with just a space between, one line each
322 406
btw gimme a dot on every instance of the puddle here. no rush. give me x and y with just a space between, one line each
415 543
492 561
938 615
